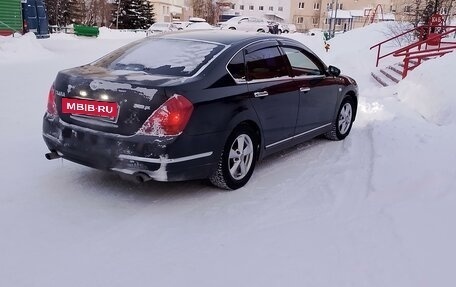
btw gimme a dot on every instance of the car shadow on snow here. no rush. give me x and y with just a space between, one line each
111 183
88 180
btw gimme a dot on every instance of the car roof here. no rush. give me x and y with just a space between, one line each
225 37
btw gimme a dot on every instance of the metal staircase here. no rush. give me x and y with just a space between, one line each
429 45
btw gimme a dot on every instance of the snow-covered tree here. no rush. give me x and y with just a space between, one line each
146 14
132 14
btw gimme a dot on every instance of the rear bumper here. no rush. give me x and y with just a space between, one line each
160 158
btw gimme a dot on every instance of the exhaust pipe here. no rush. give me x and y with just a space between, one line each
52 155
141 177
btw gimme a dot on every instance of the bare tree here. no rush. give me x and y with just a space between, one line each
206 9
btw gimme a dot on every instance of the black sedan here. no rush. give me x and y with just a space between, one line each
195 105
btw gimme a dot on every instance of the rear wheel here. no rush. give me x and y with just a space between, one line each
232 28
260 30
344 121
238 159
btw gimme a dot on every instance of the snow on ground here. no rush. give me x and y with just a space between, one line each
373 210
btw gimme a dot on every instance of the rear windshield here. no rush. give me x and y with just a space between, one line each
171 57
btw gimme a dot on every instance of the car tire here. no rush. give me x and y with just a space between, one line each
231 28
237 162
261 31
343 123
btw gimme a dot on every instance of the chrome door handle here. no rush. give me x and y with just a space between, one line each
304 89
260 94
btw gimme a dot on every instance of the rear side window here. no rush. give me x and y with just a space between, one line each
171 57
266 63
300 63
237 67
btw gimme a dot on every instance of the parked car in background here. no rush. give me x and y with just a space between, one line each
249 24
180 25
161 27
287 28
196 105
198 26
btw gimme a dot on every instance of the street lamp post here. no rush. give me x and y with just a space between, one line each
335 20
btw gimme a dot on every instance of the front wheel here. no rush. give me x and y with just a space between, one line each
344 121
238 159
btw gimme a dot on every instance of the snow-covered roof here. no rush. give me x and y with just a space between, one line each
339 14
347 14
357 13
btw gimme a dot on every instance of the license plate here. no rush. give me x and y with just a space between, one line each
90 108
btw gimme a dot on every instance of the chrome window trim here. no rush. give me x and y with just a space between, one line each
297 136
311 77
283 78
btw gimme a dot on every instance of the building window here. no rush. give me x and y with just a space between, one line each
339 22
340 6
261 8
241 7
251 7
314 21
300 20
407 8
280 9
301 5
316 6
271 8
326 21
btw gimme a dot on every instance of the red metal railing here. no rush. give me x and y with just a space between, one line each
422 51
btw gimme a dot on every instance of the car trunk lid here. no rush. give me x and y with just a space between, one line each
110 101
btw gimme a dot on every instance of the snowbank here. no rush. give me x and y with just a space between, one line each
21 48
106 33
427 89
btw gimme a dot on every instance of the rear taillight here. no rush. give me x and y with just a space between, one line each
169 119
51 106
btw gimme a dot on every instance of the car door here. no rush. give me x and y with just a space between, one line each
274 94
317 91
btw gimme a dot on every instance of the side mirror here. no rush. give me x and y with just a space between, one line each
333 71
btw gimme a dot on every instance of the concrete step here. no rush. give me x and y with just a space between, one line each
379 79
395 69
389 76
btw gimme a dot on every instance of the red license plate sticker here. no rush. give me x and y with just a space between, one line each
89 108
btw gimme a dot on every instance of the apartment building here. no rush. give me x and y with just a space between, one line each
276 10
168 10
343 15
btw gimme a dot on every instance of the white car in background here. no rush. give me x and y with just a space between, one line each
180 25
287 28
198 26
249 24
161 27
